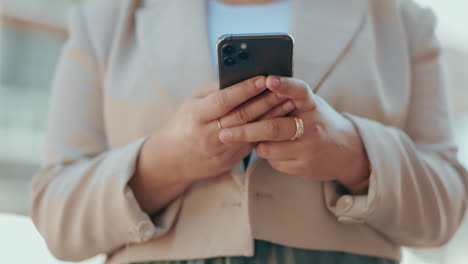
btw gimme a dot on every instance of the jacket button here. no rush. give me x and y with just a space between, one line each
344 204
145 230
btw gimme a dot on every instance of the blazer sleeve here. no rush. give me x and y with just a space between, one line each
82 204
418 189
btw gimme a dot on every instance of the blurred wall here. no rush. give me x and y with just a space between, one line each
28 55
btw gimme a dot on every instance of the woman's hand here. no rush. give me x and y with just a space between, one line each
188 148
329 149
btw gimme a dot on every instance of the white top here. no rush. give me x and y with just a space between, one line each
237 19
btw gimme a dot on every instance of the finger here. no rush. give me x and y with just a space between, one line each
277 129
279 111
251 110
218 104
291 167
294 89
206 90
282 150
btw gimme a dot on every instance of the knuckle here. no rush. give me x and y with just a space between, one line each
303 83
304 87
273 129
246 86
277 112
271 100
221 100
241 134
308 93
280 112
314 106
304 93
243 116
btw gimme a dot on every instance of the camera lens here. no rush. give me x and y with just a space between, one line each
228 61
228 49
244 55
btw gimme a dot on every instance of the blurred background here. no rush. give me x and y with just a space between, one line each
31 35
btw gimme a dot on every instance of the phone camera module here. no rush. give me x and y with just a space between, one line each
243 55
228 49
228 61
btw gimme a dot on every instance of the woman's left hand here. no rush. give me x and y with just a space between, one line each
330 149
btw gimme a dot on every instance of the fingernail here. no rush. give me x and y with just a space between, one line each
225 135
280 96
288 106
260 83
275 82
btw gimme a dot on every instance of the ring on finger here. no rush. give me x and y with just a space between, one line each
299 128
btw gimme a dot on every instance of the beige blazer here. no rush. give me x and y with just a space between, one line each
128 65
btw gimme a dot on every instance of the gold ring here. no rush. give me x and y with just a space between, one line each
299 128
219 125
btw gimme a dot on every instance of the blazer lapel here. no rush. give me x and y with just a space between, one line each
174 37
322 29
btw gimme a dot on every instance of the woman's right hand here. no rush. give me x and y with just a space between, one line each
188 147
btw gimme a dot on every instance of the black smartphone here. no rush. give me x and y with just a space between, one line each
243 56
